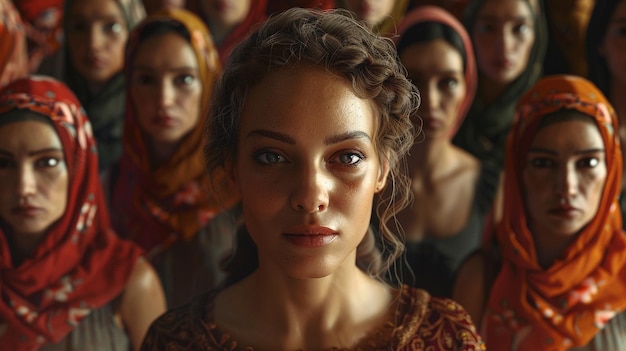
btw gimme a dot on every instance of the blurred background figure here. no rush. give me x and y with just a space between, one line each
68 281
567 27
452 190
383 16
13 53
162 197
44 29
153 6
509 38
275 6
230 21
96 32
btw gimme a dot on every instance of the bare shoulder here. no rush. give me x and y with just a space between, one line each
142 302
469 287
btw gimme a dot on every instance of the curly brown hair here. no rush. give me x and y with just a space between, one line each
346 47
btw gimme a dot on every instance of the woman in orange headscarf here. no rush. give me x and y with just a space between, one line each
13 57
162 197
561 282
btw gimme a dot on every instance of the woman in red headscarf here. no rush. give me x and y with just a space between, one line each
13 57
441 230
67 281
162 197
560 268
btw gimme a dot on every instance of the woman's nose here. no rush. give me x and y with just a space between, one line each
311 189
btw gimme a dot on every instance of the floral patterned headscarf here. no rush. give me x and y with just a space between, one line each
565 305
81 264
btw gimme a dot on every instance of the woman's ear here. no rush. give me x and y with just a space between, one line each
383 172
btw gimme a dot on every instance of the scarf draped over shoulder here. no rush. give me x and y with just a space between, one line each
81 265
565 305
156 207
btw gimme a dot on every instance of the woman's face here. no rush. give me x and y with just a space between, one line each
503 37
33 177
564 177
371 11
614 46
96 36
436 68
307 169
228 13
165 88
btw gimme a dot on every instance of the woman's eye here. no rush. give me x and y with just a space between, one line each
448 83
541 162
185 79
350 159
113 27
48 162
590 162
269 158
521 28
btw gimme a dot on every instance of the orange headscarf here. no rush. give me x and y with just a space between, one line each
156 207
13 56
565 305
81 265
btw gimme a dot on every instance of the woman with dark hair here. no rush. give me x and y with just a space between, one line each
311 120
440 229
556 277
68 281
509 38
162 197
96 32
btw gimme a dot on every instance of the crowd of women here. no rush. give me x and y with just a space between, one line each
312 174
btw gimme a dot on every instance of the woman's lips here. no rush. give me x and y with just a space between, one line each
164 121
26 211
564 211
310 236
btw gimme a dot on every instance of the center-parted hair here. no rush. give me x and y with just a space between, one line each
338 42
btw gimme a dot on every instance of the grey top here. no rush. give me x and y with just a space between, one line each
97 332
611 338
189 268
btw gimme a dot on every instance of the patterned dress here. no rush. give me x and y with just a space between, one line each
421 322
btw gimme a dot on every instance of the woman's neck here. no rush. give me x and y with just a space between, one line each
490 90
550 247
161 152
310 313
431 158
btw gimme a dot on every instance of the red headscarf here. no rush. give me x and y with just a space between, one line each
157 207
564 306
439 15
13 56
81 265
